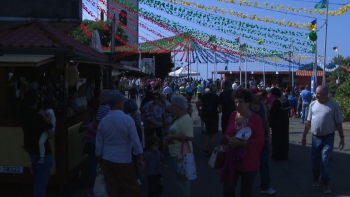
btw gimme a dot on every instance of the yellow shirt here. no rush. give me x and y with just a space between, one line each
182 126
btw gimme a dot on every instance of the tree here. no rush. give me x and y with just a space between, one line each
105 35
343 74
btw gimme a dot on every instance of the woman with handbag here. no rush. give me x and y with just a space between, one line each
179 141
242 157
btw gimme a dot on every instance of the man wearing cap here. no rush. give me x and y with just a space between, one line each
116 139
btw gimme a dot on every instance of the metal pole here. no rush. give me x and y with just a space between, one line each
197 67
290 59
240 70
293 69
207 65
325 48
140 57
315 67
264 79
188 61
338 64
245 74
214 66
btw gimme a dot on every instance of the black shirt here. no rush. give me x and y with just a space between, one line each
228 106
210 104
33 125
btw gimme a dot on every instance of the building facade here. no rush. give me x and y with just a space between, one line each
107 9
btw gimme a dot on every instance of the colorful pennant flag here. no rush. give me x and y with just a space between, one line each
261 41
237 39
312 25
335 49
321 4
212 39
243 46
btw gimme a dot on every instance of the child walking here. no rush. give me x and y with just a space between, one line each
49 116
153 167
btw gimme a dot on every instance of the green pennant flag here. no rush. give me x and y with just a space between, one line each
321 4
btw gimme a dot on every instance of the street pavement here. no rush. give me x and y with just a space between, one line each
292 178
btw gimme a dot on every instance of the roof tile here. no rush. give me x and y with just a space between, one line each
308 73
35 33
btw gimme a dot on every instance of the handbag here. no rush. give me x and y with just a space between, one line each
217 158
186 165
100 189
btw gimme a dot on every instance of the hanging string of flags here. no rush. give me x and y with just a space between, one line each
240 14
345 8
229 26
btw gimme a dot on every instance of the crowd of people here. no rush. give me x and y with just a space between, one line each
128 141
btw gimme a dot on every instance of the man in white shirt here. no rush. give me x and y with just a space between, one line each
167 91
116 140
235 86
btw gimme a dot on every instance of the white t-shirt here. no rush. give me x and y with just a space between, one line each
50 111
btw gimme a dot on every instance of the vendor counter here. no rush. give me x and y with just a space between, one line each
67 148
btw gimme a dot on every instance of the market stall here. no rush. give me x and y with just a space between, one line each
36 55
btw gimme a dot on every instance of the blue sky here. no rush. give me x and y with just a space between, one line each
338 28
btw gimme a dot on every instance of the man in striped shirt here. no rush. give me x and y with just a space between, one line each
104 108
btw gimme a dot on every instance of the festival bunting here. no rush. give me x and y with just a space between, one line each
240 14
261 41
177 28
279 7
220 23
312 25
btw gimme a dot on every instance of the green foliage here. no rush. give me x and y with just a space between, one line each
343 74
105 35
342 96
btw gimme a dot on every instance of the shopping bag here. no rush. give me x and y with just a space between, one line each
100 189
186 165
217 157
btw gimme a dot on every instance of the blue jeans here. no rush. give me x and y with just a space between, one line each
322 148
264 167
305 111
182 184
41 173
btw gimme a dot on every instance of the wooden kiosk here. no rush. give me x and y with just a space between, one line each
34 54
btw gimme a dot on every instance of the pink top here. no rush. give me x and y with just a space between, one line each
270 99
251 160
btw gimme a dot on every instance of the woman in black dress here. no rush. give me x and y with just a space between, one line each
279 123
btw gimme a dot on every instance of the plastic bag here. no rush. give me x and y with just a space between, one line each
100 189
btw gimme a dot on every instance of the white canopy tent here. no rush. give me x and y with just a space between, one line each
183 72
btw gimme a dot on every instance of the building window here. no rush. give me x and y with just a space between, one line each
123 17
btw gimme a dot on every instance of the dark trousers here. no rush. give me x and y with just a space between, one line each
120 175
159 133
280 143
264 167
247 181
155 187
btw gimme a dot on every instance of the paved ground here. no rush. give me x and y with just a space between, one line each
292 178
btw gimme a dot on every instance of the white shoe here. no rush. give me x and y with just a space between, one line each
269 191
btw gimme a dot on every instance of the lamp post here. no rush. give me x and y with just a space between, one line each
338 62
140 57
